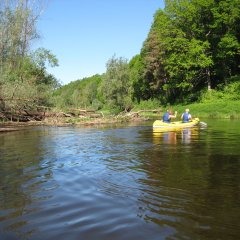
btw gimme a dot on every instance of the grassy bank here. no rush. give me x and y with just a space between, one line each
216 109
219 109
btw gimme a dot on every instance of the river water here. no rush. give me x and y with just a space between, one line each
120 182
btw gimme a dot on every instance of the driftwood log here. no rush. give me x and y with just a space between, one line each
7 129
85 113
137 113
27 115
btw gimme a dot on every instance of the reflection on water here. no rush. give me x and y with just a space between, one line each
171 137
186 135
126 182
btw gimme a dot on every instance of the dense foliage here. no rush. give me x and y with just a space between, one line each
193 46
24 81
116 88
79 94
111 90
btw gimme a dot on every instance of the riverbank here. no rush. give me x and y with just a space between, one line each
207 110
211 109
70 121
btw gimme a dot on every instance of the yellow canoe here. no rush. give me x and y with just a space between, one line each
159 124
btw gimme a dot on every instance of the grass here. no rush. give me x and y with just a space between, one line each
217 109
211 109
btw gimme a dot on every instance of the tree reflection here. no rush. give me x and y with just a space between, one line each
21 175
189 187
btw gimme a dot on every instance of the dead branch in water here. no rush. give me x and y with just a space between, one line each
137 113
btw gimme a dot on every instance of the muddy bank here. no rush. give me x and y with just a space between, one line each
63 121
18 119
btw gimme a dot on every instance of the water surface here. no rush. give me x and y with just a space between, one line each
120 182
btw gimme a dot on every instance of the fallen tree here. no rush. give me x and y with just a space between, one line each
137 113
36 115
40 113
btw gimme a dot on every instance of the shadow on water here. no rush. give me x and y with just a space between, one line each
120 182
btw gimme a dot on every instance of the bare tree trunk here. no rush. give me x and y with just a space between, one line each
209 80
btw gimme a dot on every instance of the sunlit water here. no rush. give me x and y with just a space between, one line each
120 182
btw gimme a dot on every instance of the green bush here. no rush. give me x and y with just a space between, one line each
228 92
147 104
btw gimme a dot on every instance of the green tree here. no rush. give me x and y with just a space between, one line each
116 88
24 81
192 45
79 94
140 87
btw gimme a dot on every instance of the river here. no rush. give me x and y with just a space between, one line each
120 182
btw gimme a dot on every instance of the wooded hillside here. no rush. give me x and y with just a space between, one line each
193 47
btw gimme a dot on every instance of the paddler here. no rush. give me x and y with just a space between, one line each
186 116
167 116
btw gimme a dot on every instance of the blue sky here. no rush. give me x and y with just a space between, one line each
85 34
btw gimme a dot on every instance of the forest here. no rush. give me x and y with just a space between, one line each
191 55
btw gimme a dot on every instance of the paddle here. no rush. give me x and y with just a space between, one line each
203 124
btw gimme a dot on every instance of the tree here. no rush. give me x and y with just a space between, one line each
136 80
79 94
192 44
116 87
23 74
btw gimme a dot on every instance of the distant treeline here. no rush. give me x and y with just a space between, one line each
192 53
193 47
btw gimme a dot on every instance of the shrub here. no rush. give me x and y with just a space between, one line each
148 104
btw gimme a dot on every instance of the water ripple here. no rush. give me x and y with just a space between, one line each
123 182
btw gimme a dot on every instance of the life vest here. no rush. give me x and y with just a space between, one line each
185 117
166 117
